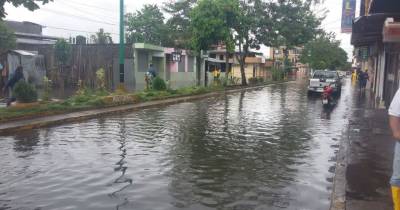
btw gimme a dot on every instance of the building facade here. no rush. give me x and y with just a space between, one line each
377 47
28 33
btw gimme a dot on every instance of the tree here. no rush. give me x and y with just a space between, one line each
210 24
146 25
324 52
29 4
246 28
102 37
62 51
179 23
250 23
294 25
7 38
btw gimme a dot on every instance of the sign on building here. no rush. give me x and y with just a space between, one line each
348 14
176 56
391 31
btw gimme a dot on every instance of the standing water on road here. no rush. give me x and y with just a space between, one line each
271 148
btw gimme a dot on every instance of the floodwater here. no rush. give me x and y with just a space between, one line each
271 148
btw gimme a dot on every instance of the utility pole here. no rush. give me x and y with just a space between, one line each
121 45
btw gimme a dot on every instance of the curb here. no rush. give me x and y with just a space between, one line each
338 197
47 121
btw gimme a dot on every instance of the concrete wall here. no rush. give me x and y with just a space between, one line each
181 74
144 55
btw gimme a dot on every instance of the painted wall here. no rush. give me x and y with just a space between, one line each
183 73
142 60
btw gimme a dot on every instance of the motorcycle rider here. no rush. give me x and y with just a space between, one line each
328 91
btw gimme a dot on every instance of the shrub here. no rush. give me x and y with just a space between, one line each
159 84
46 89
24 92
101 79
253 81
278 74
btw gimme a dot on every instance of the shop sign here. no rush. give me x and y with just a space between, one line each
363 53
176 56
348 14
391 32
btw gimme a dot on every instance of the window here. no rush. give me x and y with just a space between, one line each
325 75
221 57
182 64
191 64
143 61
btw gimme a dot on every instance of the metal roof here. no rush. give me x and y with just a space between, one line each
23 52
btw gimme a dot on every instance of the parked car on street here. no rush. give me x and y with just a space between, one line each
322 78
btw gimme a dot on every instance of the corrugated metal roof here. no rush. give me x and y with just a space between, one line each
23 52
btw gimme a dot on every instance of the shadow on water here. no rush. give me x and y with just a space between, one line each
26 141
122 166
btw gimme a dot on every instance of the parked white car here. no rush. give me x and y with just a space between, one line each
322 78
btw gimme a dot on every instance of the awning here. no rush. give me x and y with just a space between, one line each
368 29
384 6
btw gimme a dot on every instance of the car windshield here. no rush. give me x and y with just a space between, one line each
325 75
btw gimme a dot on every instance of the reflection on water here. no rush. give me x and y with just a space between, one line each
271 148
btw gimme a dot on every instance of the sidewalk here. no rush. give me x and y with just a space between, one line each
365 159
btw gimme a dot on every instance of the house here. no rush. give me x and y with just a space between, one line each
28 33
376 38
176 66
277 54
256 65
33 64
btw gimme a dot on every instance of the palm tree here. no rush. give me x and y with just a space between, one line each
101 37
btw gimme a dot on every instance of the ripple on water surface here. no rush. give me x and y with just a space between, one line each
266 149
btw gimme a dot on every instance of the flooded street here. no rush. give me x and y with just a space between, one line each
271 148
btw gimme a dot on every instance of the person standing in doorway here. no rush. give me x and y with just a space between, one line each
394 121
152 70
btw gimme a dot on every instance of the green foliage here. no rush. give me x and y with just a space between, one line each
159 84
101 37
62 51
256 81
324 52
101 79
295 24
7 38
24 92
277 74
179 23
46 89
146 25
29 4
211 23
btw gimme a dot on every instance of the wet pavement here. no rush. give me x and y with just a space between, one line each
271 148
370 149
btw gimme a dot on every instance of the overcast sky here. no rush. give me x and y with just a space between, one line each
65 18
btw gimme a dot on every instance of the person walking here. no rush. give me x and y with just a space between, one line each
394 122
363 78
16 77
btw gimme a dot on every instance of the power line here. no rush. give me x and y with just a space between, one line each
69 4
91 6
73 30
76 16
